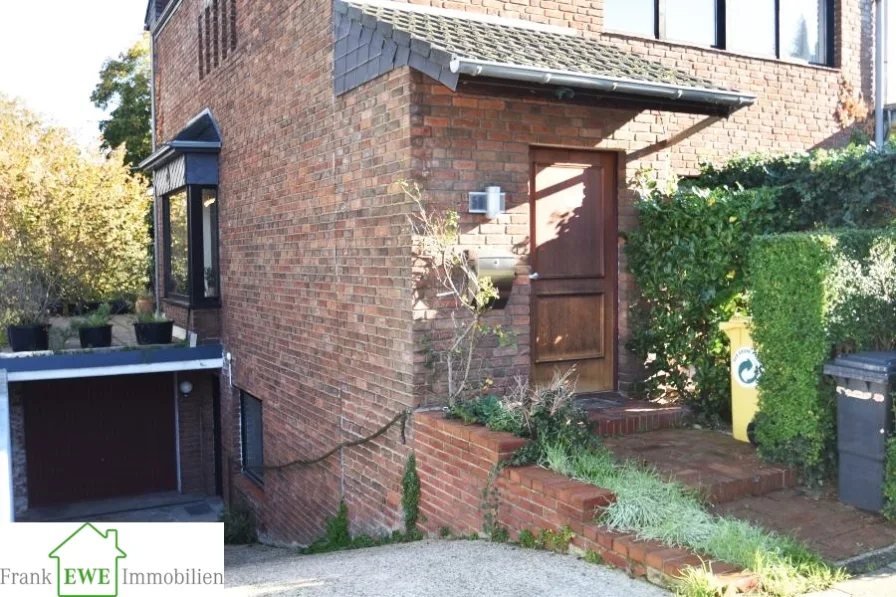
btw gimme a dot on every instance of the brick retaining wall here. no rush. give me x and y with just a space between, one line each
454 462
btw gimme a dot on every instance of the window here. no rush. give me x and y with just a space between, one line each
210 243
192 271
177 281
252 426
804 30
792 29
633 16
692 21
750 26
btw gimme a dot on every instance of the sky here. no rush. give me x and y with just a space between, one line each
51 52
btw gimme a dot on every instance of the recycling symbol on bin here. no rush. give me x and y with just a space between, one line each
745 367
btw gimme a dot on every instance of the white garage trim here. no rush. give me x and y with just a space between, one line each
117 370
7 509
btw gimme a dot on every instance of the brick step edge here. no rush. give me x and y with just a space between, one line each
577 503
656 562
632 420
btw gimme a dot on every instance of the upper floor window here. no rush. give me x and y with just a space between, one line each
191 245
790 29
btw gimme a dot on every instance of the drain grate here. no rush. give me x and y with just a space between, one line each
198 509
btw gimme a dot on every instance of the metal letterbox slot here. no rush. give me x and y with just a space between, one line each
502 271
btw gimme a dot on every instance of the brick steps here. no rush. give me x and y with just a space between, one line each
578 503
721 468
621 416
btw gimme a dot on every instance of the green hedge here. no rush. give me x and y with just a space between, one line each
688 254
815 295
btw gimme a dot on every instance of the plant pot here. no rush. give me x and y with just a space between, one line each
98 337
156 332
27 338
144 304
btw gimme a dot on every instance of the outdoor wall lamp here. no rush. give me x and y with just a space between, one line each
490 202
185 388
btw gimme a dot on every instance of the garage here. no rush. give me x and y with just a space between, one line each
99 437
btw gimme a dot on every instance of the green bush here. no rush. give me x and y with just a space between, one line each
890 480
689 258
410 495
239 525
815 295
688 255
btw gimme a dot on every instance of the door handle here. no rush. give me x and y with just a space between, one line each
533 276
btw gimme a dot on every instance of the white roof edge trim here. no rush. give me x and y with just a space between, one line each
80 372
165 17
469 16
475 67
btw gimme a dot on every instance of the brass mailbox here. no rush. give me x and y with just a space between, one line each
502 271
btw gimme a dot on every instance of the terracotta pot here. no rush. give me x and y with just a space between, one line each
144 304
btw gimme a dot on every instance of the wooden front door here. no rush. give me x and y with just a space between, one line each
573 207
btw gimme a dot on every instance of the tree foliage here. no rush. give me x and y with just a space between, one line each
124 87
76 219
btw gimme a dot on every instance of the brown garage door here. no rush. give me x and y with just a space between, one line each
101 437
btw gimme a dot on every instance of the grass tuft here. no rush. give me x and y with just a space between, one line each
674 514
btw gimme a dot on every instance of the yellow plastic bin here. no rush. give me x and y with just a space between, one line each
745 370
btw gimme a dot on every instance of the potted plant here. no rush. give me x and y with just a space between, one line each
153 329
26 294
95 331
144 304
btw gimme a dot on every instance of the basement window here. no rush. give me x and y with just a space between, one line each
252 426
191 264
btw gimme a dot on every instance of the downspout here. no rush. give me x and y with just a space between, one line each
155 201
880 75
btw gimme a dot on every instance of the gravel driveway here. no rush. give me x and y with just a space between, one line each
426 568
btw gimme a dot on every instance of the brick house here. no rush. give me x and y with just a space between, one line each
296 120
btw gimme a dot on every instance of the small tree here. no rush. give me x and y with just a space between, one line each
75 218
452 274
26 292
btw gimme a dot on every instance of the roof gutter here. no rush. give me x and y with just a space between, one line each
171 149
532 74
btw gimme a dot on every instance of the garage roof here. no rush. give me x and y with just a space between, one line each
115 362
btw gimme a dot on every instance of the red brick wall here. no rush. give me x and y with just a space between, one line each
315 267
197 440
205 322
